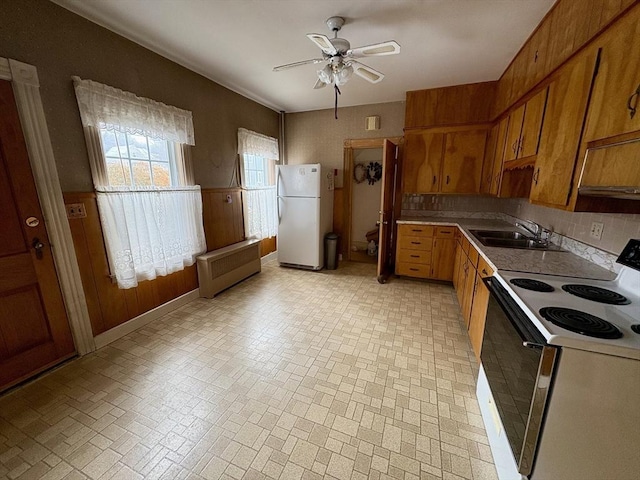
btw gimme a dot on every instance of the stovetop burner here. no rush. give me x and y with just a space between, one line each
597 294
529 284
580 322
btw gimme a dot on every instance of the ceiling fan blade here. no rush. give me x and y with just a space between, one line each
323 42
319 84
297 64
390 47
367 72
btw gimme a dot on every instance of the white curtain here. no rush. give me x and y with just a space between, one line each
148 231
259 203
152 231
102 106
260 212
253 143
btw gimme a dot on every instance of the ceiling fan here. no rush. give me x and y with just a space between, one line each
340 58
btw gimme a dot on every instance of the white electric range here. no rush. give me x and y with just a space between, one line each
559 384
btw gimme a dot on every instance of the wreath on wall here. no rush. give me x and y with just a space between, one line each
371 173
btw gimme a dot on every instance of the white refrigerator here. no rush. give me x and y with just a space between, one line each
305 214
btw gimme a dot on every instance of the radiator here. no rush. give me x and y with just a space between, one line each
223 268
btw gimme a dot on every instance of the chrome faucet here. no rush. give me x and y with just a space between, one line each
537 233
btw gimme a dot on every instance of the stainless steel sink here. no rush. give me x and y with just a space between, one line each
512 239
499 234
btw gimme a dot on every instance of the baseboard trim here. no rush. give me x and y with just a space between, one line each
141 320
269 257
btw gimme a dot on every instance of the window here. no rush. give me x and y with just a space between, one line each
137 160
258 155
150 209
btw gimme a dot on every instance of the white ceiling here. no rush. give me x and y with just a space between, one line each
238 42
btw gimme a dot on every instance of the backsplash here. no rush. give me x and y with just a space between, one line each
571 229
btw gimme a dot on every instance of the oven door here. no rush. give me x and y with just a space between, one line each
518 364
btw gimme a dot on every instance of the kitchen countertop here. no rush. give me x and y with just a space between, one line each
514 259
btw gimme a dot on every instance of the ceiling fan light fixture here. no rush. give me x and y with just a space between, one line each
343 74
326 74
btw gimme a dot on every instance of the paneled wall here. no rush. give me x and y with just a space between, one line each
459 104
109 305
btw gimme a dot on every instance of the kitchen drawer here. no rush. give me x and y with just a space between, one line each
484 270
445 232
415 230
415 243
413 270
414 256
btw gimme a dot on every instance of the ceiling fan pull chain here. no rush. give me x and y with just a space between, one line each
337 92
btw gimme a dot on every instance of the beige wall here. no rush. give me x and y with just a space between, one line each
312 137
61 44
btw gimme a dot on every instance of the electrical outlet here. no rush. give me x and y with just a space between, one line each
76 210
596 230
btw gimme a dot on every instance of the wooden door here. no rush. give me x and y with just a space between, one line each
616 91
478 315
34 331
462 164
457 263
561 131
469 290
389 164
513 134
443 258
532 124
499 156
422 162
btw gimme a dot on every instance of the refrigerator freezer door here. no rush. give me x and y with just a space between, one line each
299 233
299 180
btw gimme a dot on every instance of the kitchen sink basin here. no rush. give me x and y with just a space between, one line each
512 239
499 234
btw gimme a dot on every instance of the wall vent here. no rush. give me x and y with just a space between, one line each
372 123
223 268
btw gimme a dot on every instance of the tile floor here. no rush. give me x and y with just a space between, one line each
290 374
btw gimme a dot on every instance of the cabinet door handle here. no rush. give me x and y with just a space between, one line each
632 108
447 179
514 147
536 176
434 179
521 144
484 271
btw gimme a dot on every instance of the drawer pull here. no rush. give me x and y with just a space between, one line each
416 243
445 231
415 256
416 230
414 269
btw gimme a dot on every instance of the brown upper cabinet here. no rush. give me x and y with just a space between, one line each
525 123
443 161
614 108
423 152
561 130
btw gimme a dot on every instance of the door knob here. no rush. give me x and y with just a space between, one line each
37 246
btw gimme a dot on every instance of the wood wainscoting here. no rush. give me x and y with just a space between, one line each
110 306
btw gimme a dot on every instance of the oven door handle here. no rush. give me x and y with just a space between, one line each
519 320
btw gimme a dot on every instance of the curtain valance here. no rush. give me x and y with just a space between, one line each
102 106
253 143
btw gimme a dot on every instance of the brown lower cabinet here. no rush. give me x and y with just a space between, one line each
425 251
469 270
